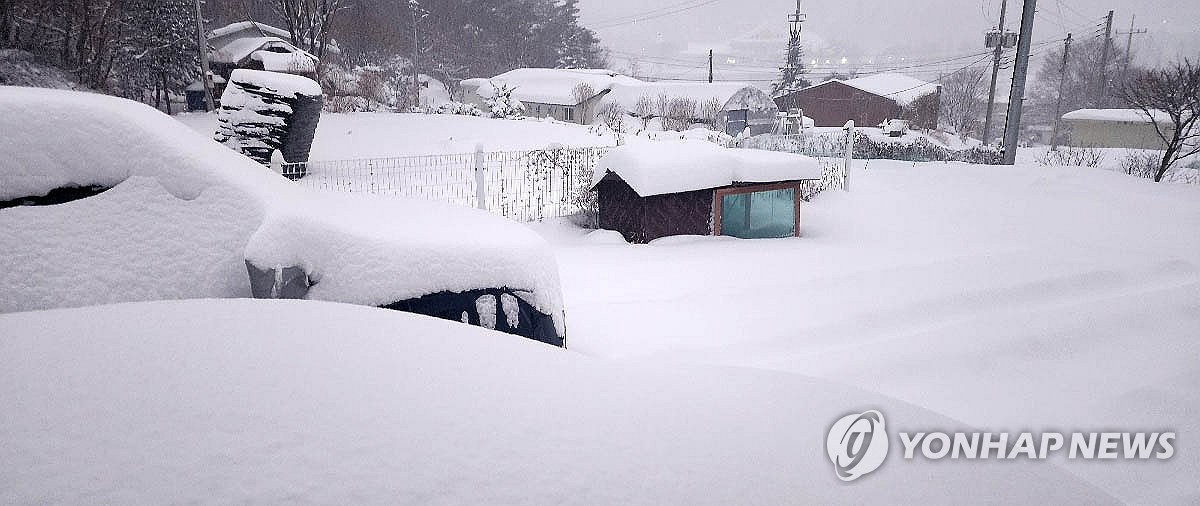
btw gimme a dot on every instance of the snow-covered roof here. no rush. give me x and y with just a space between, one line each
550 86
286 62
731 95
184 213
659 167
240 49
899 87
1116 115
262 29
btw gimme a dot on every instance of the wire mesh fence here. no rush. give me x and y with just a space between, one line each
523 185
527 185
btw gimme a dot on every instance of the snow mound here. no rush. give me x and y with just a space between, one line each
655 168
271 402
185 213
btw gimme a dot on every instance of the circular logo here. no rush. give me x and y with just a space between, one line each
857 444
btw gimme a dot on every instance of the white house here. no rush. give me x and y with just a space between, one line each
575 95
563 94
1117 128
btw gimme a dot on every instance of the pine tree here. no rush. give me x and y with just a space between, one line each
160 50
791 76
502 103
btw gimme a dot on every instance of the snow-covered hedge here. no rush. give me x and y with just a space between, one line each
458 108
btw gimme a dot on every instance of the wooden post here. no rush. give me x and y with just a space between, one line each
480 178
849 128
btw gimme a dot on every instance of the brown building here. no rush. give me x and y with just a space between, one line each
868 101
663 188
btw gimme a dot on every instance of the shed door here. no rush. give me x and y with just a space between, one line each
736 121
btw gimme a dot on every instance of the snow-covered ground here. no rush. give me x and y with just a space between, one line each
1010 298
346 136
286 402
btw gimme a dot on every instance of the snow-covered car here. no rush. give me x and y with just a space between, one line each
148 209
895 127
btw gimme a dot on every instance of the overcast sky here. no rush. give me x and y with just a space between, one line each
921 30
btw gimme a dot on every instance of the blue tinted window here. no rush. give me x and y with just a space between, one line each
759 215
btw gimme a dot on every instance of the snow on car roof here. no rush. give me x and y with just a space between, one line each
187 188
551 86
660 167
731 95
1117 115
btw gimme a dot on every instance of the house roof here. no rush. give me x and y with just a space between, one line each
899 87
1116 116
660 167
731 95
264 30
238 50
550 86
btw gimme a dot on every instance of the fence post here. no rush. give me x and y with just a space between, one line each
480 178
849 128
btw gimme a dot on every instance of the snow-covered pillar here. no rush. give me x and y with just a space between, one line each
849 128
480 178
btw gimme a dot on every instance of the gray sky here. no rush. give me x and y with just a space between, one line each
868 33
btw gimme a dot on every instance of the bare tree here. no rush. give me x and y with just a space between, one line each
582 91
710 112
962 100
1170 92
644 110
310 22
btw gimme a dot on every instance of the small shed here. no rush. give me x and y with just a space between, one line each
195 93
1117 128
656 189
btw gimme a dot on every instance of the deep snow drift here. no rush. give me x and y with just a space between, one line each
1011 298
272 402
185 213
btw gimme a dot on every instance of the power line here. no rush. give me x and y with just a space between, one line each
647 16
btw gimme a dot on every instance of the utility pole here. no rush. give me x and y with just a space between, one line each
1100 101
1016 96
1129 44
987 120
205 72
1062 78
416 80
710 65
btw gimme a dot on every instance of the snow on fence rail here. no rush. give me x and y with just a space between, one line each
526 185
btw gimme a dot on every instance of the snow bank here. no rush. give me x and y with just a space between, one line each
655 168
1014 298
185 213
271 402
1116 115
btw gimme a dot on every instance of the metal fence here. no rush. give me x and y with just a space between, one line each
522 185
534 184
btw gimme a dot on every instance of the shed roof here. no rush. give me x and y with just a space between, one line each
1116 116
240 49
899 87
660 167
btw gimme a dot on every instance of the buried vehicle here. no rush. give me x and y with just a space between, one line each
106 200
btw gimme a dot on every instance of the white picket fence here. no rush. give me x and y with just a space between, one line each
529 185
